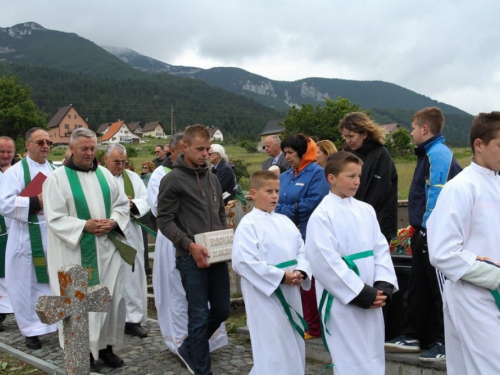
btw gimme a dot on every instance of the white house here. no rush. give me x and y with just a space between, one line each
119 132
216 134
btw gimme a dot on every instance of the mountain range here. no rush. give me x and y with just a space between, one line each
67 56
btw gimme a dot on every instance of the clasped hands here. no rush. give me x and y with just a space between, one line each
293 278
99 227
380 300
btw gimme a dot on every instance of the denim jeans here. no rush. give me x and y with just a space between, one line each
203 286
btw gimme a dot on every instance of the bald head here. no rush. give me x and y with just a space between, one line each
7 152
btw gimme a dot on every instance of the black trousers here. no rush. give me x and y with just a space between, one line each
424 320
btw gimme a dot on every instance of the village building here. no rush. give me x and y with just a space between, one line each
119 132
136 128
216 134
63 123
103 128
154 129
389 129
273 127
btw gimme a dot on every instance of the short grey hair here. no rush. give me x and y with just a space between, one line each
176 138
115 146
81 132
276 139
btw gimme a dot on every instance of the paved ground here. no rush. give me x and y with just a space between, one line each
142 356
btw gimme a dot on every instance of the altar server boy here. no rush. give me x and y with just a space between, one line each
350 260
268 254
463 245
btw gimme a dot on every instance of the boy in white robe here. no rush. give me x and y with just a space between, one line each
463 245
350 260
268 254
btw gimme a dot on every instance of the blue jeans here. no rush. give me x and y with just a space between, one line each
203 286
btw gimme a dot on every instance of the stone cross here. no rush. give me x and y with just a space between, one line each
73 307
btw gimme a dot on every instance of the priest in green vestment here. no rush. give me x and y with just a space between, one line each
86 213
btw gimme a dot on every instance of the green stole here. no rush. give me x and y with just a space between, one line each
129 190
327 297
37 252
87 243
286 305
3 245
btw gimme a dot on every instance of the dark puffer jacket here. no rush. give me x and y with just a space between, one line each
379 185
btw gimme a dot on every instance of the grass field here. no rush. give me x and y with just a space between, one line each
405 167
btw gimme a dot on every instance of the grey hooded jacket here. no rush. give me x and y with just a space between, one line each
189 202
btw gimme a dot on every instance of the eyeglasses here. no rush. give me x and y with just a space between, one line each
211 153
43 142
118 163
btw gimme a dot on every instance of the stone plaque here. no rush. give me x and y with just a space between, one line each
218 243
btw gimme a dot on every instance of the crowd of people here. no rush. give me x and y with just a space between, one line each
313 254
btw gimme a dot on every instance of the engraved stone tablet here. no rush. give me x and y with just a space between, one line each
218 243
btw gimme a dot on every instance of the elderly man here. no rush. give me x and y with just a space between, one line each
85 208
272 144
160 155
26 267
135 282
7 152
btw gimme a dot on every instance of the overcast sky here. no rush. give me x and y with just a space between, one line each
447 50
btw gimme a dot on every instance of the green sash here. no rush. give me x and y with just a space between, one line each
3 245
328 297
286 305
129 190
39 261
127 183
496 296
87 242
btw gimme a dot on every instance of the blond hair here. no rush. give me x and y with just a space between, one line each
360 122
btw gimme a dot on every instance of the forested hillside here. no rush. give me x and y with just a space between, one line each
146 99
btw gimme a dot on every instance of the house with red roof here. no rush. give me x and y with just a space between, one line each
119 132
63 123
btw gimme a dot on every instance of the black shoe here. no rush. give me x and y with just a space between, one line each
135 329
33 342
110 358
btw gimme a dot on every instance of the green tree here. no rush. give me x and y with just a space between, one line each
319 121
400 143
240 169
18 112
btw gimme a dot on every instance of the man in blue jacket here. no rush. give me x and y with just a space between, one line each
424 326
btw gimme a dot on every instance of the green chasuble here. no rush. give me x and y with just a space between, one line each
88 242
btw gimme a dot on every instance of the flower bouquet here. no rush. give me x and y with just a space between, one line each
400 245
